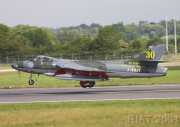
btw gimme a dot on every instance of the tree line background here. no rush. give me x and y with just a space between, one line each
84 40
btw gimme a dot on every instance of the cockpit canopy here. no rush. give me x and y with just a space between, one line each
43 60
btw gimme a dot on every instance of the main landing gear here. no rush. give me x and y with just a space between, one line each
87 84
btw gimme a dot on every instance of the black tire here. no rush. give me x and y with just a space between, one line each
87 84
31 82
83 84
91 84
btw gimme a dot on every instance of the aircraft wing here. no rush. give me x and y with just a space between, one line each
76 71
77 66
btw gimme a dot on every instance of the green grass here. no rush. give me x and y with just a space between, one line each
5 66
147 113
13 80
17 80
174 68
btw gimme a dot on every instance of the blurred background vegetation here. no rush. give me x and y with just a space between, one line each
91 40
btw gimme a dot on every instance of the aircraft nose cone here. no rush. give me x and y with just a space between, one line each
14 66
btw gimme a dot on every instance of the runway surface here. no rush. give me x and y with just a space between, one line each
29 95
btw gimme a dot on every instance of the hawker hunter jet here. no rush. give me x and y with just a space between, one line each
142 65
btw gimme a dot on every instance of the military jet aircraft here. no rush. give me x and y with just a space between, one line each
142 65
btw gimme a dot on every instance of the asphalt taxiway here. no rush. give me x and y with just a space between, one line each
30 95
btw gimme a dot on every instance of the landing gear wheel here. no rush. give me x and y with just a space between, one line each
31 82
91 84
83 84
87 84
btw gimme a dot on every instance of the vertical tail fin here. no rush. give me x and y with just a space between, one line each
150 58
153 53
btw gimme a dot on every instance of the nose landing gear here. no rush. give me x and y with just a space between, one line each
31 82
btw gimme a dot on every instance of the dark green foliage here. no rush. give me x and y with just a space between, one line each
84 40
106 41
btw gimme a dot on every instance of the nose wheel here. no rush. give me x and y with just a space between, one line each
31 82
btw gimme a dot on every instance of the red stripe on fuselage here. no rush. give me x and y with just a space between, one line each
99 74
